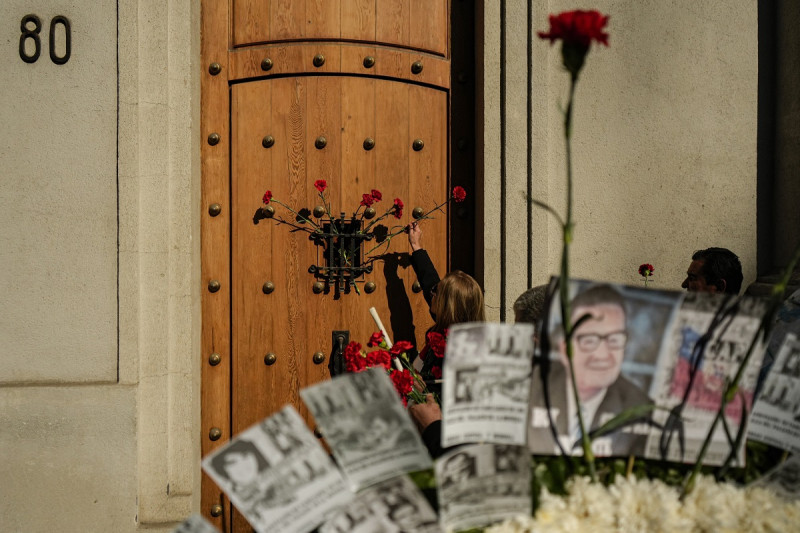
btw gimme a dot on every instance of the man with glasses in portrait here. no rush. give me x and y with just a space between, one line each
598 351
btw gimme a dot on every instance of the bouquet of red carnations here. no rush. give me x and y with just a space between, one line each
394 360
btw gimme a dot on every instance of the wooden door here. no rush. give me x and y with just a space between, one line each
299 71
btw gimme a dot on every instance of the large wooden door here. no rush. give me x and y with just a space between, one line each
300 71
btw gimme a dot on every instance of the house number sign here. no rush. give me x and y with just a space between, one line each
30 30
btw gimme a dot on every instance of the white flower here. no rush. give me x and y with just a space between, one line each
631 505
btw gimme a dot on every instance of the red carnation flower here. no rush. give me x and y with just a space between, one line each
401 347
398 208
577 27
646 269
459 194
267 197
436 343
379 358
376 195
354 361
436 372
367 200
403 383
321 185
376 339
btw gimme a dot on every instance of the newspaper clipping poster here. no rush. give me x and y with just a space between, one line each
487 381
732 325
393 506
615 355
367 427
278 476
783 480
195 524
776 415
483 483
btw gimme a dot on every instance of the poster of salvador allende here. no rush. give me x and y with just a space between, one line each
483 483
278 476
393 506
366 426
637 347
487 383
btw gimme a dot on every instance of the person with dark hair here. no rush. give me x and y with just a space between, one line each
598 351
240 464
714 270
529 307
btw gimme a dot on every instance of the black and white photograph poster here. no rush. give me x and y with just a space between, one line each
482 484
776 415
487 381
278 475
783 480
367 427
393 506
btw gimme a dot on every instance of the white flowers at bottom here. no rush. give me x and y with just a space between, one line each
634 505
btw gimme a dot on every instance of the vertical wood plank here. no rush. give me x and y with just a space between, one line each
428 29
250 21
323 19
287 20
428 183
391 154
393 18
322 313
253 253
215 245
358 20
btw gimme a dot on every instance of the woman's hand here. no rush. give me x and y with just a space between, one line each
426 413
415 236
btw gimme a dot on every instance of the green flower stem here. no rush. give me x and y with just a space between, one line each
327 207
317 229
567 228
778 292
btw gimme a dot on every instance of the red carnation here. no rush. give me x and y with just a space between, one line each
577 27
379 358
376 339
401 347
459 194
267 197
437 343
321 185
436 372
403 383
367 200
646 269
376 195
398 208
354 361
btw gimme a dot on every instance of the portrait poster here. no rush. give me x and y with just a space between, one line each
690 382
392 506
278 475
616 354
482 484
366 426
487 383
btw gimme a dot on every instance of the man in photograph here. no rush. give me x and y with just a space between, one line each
599 344
714 270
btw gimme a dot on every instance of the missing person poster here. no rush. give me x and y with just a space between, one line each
487 379
278 476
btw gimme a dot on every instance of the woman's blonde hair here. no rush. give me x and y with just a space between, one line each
459 299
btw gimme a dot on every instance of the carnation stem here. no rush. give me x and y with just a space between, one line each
586 442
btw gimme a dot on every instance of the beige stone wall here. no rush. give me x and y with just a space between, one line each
664 142
99 391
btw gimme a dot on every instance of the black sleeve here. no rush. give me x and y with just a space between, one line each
426 273
432 437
